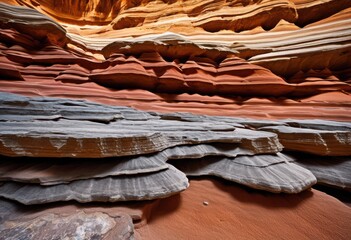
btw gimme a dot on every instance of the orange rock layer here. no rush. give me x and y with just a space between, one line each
219 84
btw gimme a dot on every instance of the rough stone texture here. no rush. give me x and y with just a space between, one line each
76 226
155 14
319 142
12 211
310 11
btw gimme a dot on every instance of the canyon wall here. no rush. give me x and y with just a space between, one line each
175 119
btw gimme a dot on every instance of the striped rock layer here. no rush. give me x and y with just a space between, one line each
173 62
119 107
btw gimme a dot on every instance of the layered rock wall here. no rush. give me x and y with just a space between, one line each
113 114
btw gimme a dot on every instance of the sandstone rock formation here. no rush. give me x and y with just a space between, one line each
78 225
143 143
169 67
31 22
109 109
233 211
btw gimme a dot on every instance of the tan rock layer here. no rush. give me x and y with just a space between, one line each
233 15
311 11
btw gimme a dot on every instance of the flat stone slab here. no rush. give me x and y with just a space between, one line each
53 127
315 141
57 171
111 189
273 173
141 143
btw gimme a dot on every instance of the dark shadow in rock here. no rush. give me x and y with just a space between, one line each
343 195
10 210
164 207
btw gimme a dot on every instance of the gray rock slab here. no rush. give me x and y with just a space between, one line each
57 171
332 171
273 173
319 142
53 127
111 189
42 108
319 124
67 138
